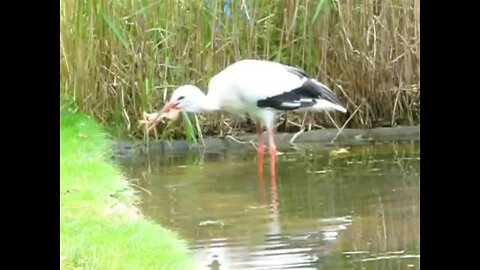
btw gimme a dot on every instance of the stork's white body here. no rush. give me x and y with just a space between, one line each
239 87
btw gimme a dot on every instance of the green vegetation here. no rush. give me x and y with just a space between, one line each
119 59
100 228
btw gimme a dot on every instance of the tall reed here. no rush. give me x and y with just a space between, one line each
120 58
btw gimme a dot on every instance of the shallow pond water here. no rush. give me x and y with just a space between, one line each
360 210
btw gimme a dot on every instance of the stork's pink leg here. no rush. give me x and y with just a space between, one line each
273 151
261 148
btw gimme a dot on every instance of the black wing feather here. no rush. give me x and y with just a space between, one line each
299 97
286 101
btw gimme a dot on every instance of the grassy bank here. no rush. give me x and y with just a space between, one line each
99 226
121 58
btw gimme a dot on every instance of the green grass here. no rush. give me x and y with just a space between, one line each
121 58
100 228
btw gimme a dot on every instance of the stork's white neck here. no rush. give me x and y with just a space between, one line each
208 104
203 104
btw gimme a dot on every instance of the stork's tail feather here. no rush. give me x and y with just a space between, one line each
324 92
325 105
325 97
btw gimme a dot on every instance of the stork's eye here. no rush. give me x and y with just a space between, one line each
180 98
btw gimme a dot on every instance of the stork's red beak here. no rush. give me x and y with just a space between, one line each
170 105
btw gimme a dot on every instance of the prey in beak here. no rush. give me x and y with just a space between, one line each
151 120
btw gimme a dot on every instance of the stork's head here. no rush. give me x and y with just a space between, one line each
186 98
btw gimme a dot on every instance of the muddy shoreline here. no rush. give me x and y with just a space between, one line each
216 144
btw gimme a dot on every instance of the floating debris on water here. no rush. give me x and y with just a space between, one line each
397 252
344 219
384 257
356 252
211 223
340 152
377 161
320 171
354 162
256 207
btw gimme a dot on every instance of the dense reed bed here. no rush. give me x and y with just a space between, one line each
121 58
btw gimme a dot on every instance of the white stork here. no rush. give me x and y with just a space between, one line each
260 88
